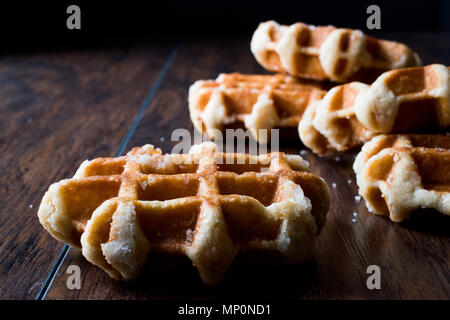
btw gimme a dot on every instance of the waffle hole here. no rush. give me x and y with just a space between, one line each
104 220
344 42
240 163
375 197
314 189
382 168
375 50
203 99
431 167
272 34
241 101
340 66
242 168
304 63
161 189
262 189
81 198
105 167
407 81
284 103
346 128
246 222
417 114
426 141
303 37
203 125
273 59
165 228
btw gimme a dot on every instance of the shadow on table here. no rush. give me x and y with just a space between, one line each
164 280
429 221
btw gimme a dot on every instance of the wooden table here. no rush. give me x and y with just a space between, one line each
58 109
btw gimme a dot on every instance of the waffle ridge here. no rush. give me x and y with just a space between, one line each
207 205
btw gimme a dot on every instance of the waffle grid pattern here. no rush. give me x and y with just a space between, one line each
257 101
206 205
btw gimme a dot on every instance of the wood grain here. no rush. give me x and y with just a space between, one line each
413 256
57 110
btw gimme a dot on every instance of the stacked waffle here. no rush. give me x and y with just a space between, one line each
403 100
383 90
320 54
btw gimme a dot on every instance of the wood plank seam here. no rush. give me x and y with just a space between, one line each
134 124
53 271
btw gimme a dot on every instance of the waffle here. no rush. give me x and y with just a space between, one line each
206 205
404 100
257 101
327 53
330 125
398 174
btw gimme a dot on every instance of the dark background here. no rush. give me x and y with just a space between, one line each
41 25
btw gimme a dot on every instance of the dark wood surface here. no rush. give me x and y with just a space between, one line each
59 109
56 110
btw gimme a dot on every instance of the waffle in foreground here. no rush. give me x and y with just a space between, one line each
403 100
398 174
327 53
206 205
256 101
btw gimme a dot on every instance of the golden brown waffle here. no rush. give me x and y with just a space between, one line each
206 205
330 124
404 100
398 174
327 52
257 101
